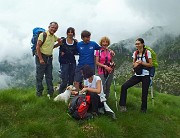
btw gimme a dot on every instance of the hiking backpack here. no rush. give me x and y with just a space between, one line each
79 106
153 55
36 32
154 61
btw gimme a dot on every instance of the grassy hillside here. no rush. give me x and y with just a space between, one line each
24 115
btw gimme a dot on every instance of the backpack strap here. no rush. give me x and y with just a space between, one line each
99 57
105 72
99 54
136 54
146 56
144 52
44 37
33 40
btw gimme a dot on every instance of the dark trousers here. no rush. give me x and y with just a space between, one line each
41 71
67 75
95 102
131 82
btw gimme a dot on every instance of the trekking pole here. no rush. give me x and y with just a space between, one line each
152 96
114 82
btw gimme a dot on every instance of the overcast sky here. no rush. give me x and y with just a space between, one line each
117 19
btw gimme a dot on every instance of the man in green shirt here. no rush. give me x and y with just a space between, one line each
44 59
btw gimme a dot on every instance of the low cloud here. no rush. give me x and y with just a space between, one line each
117 19
158 13
4 81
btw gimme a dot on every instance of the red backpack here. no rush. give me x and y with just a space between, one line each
79 106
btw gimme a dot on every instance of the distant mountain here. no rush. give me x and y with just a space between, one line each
168 48
150 36
20 72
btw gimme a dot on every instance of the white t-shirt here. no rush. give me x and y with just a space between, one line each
93 85
144 71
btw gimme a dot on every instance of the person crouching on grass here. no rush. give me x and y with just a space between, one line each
93 87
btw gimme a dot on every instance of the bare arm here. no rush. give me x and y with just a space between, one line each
59 43
39 44
147 64
136 63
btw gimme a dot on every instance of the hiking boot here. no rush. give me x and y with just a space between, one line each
122 108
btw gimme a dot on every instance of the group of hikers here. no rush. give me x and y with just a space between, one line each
91 55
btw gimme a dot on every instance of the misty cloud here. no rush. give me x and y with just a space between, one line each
117 19
4 81
112 18
158 13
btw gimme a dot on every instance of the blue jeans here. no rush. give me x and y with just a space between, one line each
41 70
67 75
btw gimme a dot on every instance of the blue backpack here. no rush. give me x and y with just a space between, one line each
36 32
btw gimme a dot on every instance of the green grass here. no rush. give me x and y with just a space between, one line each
22 114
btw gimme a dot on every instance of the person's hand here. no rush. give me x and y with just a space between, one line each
83 90
135 64
60 41
41 61
62 53
74 93
112 53
139 61
109 69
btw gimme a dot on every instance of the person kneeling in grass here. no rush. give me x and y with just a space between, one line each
93 86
